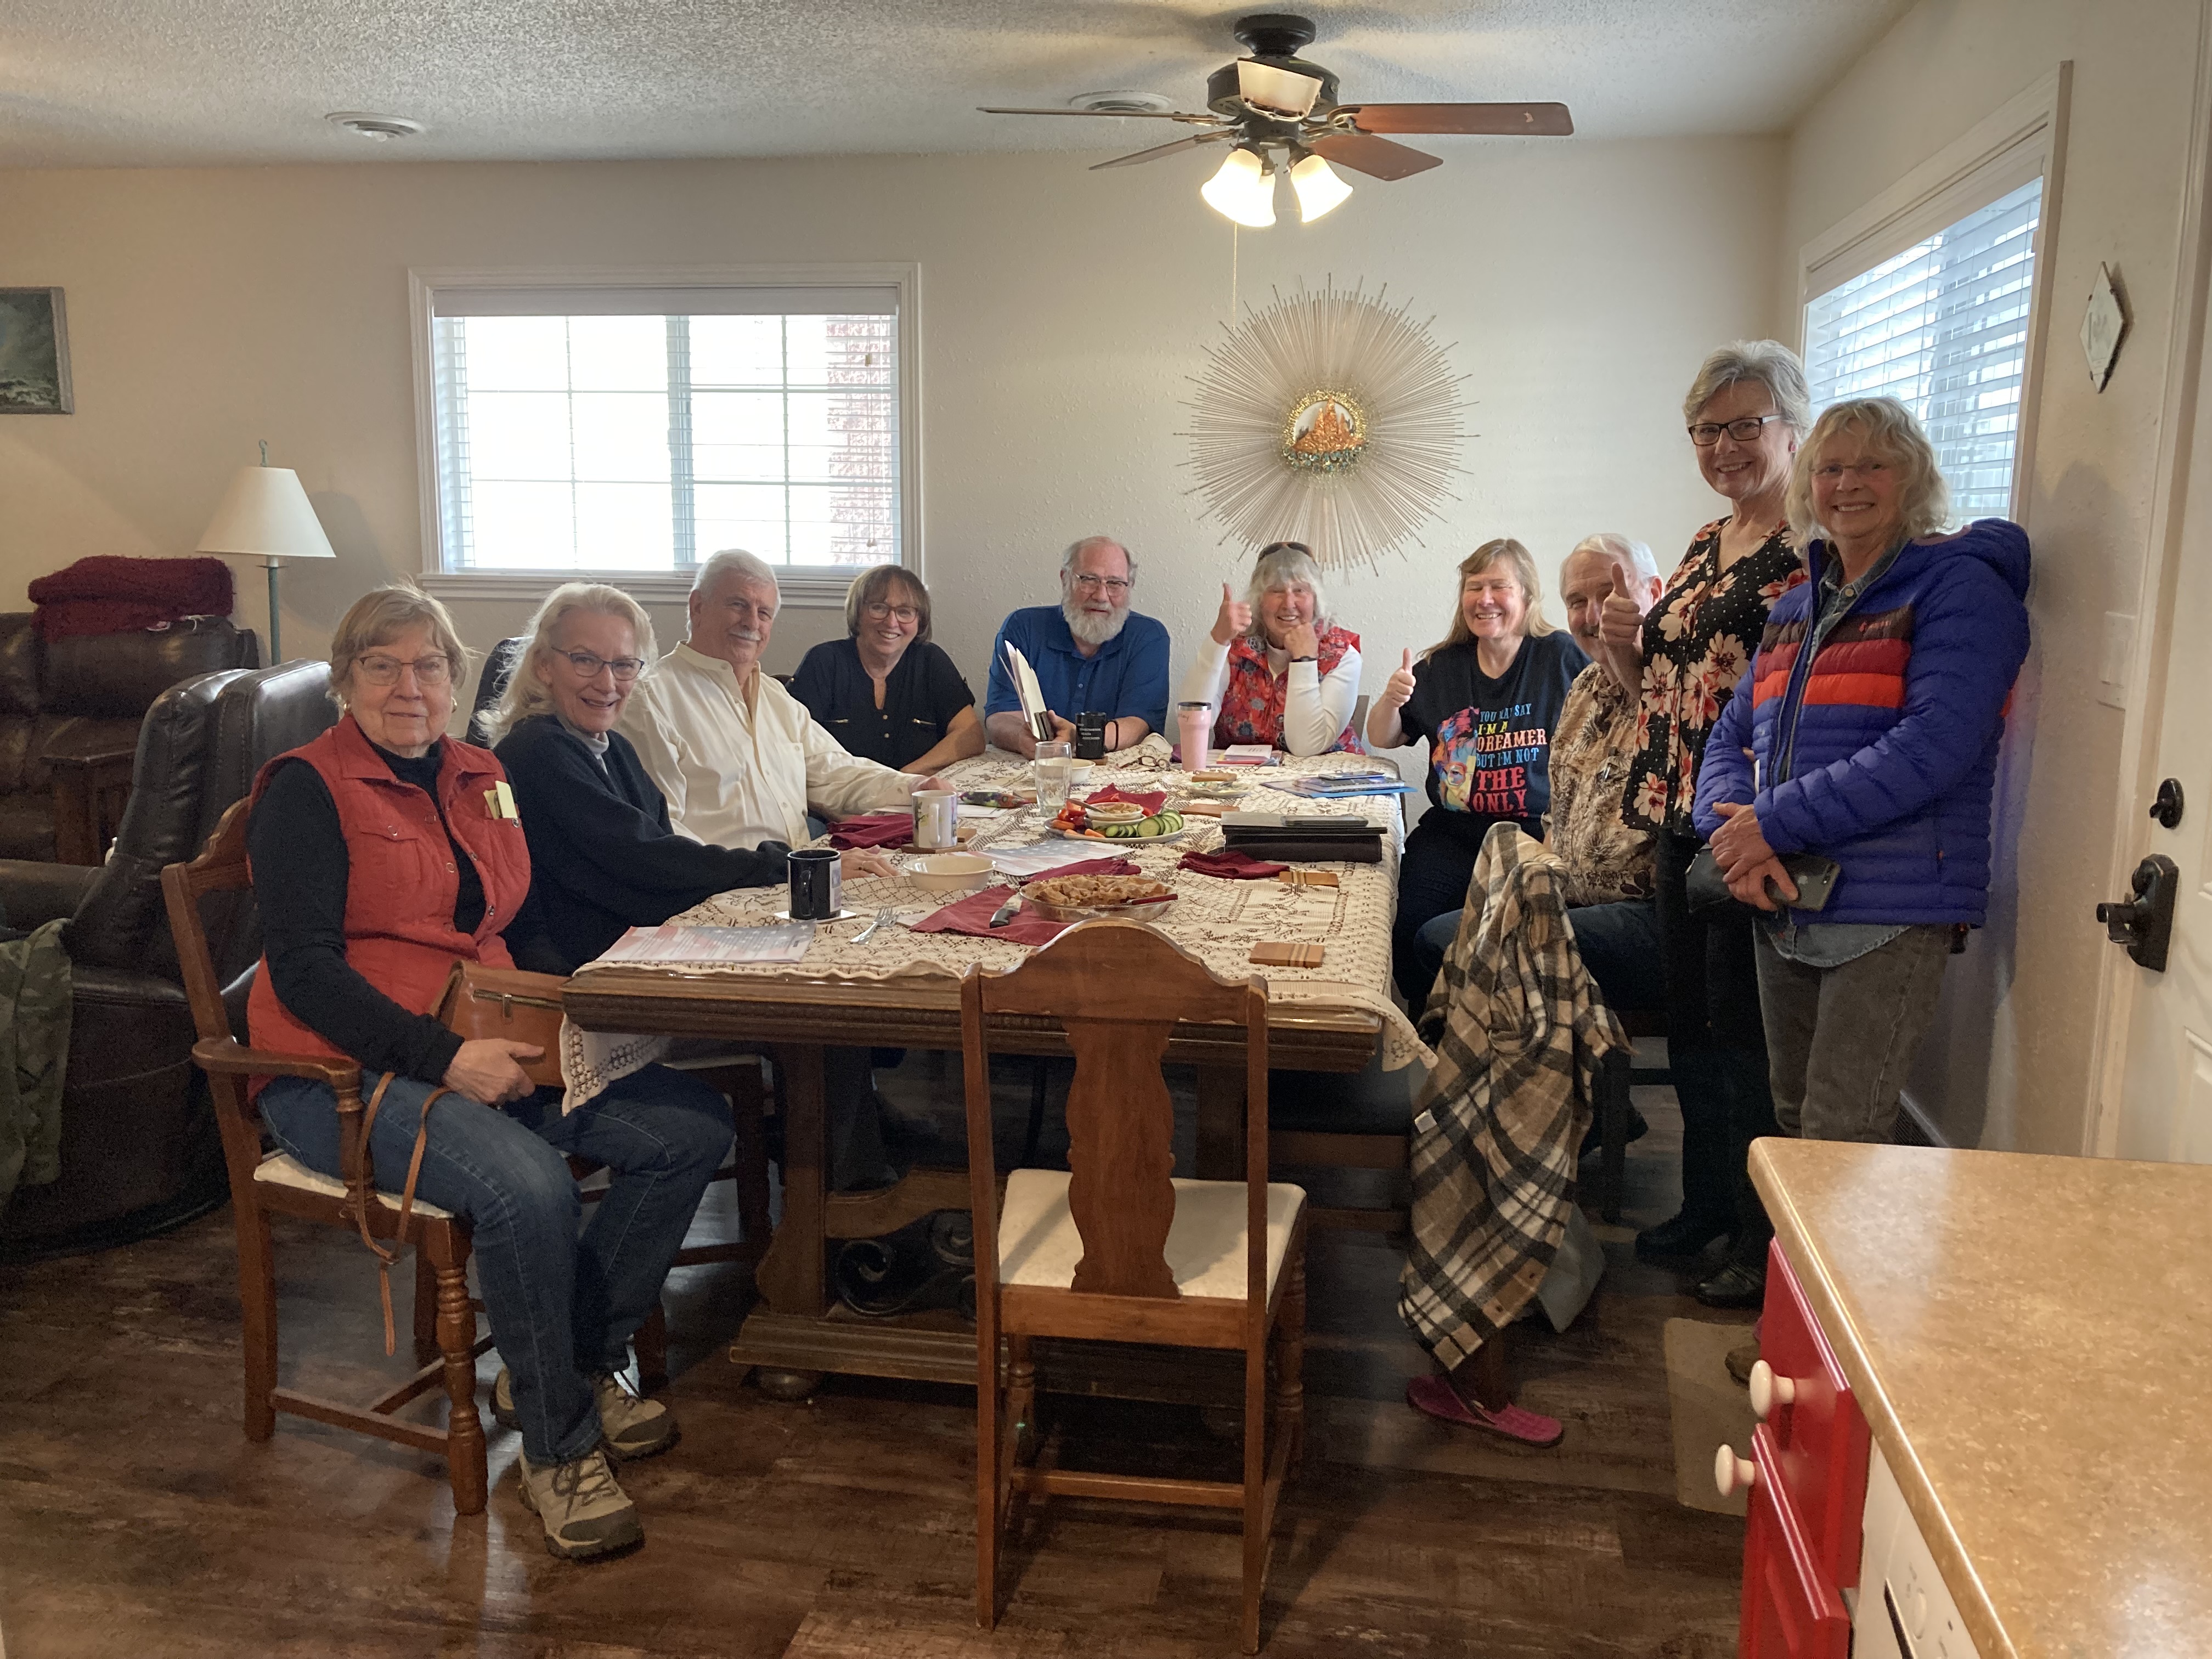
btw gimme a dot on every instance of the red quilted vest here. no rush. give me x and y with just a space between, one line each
1252 698
401 881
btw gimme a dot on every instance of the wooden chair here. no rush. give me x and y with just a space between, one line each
446 1343
281 1185
1118 1250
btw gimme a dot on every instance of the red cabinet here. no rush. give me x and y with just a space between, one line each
1801 1547
1791 1605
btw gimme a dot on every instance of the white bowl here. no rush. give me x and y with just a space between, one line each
949 873
1078 776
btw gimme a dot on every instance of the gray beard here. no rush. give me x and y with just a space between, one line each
1089 630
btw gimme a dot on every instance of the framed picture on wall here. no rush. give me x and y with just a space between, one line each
34 366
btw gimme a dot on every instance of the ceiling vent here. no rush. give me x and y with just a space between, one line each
381 129
1121 103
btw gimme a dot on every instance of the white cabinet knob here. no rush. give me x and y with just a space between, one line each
1768 1391
1732 1474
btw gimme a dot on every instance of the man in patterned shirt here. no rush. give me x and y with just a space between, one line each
1609 872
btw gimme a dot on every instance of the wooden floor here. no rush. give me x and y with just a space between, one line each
136 1522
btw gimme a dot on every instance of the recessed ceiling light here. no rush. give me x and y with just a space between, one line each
1121 103
382 129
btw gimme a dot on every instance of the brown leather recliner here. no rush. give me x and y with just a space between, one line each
139 1151
69 713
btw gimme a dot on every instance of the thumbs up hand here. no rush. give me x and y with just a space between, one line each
1399 686
1620 618
1234 617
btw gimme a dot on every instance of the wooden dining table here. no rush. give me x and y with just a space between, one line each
901 988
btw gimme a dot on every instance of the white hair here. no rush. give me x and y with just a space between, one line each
735 562
1075 551
1770 364
1631 552
1286 564
526 694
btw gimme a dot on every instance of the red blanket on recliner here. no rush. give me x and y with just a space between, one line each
104 594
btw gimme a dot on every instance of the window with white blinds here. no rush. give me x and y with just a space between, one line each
608 430
1943 327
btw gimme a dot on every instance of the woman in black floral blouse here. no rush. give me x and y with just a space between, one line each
1746 410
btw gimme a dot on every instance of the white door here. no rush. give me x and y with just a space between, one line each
2160 1106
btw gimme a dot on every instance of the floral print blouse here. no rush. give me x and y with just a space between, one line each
1698 641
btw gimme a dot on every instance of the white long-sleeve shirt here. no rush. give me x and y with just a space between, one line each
741 764
1316 708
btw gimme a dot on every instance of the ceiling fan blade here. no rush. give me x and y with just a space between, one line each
1378 158
1158 150
1494 120
1112 114
1278 91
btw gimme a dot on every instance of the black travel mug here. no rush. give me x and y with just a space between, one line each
1091 737
816 883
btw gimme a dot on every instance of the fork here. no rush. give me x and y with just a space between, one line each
867 933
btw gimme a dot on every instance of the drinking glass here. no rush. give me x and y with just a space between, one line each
1054 768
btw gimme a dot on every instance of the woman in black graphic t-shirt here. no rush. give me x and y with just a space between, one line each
1485 701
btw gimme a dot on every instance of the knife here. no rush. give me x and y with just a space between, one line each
1005 913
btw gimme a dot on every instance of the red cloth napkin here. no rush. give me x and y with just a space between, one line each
872 830
973 914
1151 799
1231 866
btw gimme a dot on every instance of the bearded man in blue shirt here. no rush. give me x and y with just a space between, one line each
1091 653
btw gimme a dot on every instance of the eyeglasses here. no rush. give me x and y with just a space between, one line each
876 611
626 668
1706 434
1835 470
385 671
1117 586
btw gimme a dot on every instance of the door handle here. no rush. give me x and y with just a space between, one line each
2145 923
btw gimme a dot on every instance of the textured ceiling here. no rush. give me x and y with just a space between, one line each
171 82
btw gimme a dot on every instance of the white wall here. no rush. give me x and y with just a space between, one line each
1062 314
2010 1063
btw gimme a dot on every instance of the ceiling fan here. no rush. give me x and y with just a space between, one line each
1281 113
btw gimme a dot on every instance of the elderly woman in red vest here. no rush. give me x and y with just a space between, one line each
382 852
1276 670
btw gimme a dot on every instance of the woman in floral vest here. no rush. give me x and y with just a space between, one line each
1276 670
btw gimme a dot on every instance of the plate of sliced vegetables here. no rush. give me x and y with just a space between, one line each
1117 821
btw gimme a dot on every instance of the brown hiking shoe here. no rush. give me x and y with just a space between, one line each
583 1508
1739 1361
632 1425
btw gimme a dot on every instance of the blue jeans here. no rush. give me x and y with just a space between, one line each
562 1307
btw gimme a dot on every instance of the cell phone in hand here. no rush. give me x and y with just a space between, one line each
1814 878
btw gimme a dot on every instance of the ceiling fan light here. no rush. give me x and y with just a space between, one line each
1242 190
1318 188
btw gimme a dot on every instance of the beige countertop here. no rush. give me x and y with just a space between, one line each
2030 1340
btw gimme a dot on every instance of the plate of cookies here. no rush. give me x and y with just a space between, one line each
1084 898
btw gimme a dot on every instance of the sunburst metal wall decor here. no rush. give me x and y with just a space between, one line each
1331 419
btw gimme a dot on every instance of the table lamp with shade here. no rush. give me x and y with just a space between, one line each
265 513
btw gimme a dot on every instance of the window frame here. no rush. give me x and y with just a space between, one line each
2026 138
808 587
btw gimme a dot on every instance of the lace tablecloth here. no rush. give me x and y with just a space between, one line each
1217 922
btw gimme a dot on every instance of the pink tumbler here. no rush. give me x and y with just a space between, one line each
1194 726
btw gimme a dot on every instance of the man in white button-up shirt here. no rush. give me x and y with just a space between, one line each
741 761
739 757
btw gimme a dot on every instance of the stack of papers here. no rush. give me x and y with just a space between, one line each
1333 786
1022 862
1032 698
1247 754
669 945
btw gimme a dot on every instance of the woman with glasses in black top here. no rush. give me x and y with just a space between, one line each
886 691
603 855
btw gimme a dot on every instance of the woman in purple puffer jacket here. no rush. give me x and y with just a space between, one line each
1867 734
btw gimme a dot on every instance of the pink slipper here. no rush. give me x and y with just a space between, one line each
1434 1396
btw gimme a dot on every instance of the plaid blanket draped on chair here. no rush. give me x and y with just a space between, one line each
1500 1120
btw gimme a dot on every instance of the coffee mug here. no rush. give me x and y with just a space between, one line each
1091 737
936 819
817 884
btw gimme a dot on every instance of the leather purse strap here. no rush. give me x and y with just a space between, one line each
361 1194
